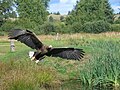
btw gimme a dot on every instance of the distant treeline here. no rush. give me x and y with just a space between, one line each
90 16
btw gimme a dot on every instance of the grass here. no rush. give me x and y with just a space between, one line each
99 68
103 68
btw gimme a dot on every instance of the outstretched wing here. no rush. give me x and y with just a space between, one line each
66 53
26 37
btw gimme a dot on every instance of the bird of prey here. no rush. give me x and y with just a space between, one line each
30 39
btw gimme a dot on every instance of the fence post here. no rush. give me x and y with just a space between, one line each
12 46
57 36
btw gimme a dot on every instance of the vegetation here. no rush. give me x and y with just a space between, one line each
89 16
99 68
90 11
6 11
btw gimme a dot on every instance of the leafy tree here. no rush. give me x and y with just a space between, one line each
51 19
58 13
6 10
91 13
61 18
34 10
69 12
91 10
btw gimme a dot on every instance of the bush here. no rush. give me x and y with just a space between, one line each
90 27
76 27
7 26
96 27
18 23
117 21
115 27
52 28
2 34
47 28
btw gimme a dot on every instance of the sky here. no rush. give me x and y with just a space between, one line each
63 6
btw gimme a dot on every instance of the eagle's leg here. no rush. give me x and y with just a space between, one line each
40 59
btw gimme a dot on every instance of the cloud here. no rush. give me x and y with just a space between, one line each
63 6
64 1
73 1
116 8
114 1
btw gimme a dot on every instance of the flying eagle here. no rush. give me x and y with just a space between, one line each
29 38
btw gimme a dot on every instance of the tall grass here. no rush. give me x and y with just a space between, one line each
22 75
100 66
103 69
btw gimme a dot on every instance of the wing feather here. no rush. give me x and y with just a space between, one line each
26 37
66 53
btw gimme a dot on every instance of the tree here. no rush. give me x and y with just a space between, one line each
6 10
91 10
69 12
61 18
58 13
34 10
51 19
91 13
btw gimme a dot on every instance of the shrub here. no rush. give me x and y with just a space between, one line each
18 23
50 28
117 21
90 27
115 27
47 28
76 27
96 27
51 19
7 25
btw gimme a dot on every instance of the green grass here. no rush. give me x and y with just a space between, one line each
100 67
103 68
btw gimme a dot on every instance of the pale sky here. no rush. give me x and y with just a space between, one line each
63 6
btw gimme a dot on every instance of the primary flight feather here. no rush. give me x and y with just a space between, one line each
29 38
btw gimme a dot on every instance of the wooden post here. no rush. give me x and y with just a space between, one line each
57 37
12 46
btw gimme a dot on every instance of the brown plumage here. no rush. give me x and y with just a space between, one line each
29 38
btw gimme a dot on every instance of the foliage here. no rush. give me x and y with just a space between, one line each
57 13
61 18
51 19
96 27
87 11
7 25
117 21
31 14
6 10
100 66
35 10
51 28
18 23
90 27
103 68
115 27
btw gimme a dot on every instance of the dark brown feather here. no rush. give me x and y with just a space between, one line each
66 53
26 37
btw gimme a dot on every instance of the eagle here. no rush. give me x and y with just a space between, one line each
30 39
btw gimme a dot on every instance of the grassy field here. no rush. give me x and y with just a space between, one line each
100 67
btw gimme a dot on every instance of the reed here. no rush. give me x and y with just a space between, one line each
103 69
